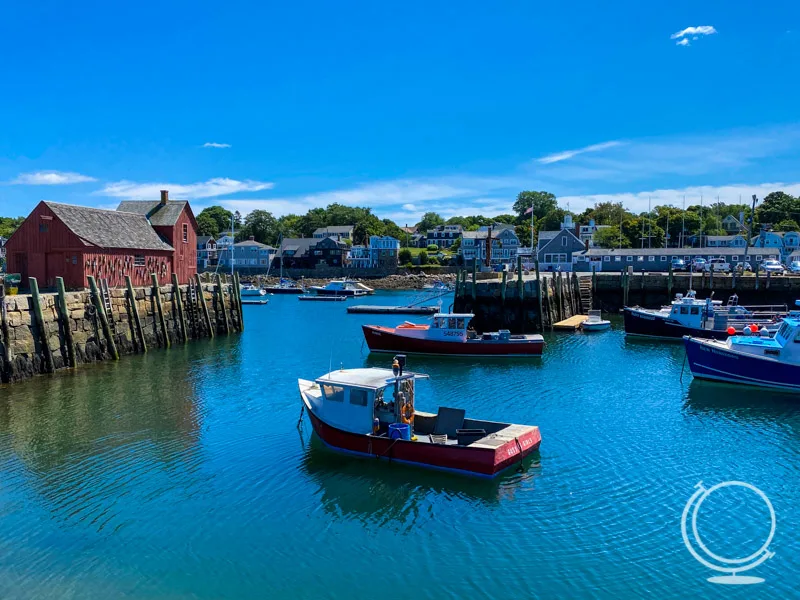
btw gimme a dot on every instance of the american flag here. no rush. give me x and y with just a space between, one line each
529 211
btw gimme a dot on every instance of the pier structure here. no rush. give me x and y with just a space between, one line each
45 332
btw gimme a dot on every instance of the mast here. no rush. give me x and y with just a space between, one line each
233 243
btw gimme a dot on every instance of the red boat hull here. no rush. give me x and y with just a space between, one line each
483 462
384 339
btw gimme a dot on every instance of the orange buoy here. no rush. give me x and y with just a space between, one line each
731 330
754 328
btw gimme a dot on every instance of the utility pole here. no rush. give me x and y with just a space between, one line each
666 234
683 222
649 223
701 220
750 230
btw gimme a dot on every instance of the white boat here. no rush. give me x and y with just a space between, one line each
595 322
341 287
439 286
249 291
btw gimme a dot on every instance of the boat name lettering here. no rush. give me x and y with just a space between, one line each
452 334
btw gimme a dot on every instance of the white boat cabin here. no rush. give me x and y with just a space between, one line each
363 400
784 347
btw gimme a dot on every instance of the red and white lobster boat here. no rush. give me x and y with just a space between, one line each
370 412
449 334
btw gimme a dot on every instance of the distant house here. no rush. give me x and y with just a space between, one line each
358 257
505 244
444 235
248 255
225 240
307 253
3 246
206 252
555 249
337 232
328 251
659 259
417 241
383 251
732 225
586 232
294 253
768 239
725 241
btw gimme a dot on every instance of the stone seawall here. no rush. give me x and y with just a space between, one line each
79 336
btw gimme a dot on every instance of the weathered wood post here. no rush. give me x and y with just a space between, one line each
203 306
474 279
101 313
539 294
221 304
711 276
176 297
641 288
64 314
160 310
6 371
769 275
504 277
39 317
236 300
559 301
137 321
669 283
520 287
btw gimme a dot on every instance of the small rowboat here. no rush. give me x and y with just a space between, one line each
595 322
371 413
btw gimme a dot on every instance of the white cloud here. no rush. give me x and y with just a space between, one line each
694 31
51 178
559 156
219 186
409 207
215 145
682 42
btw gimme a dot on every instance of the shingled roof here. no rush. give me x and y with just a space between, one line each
108 228
160 215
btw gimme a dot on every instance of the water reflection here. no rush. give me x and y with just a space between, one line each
380 493
741 402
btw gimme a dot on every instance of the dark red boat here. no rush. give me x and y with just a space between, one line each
370 412
449 334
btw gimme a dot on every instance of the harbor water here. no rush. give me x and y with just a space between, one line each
182 474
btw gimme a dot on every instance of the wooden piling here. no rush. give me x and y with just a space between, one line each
203 306
520 287
101 313
711 276
769 274
576 292
137 321
221 304
178 300
160 310
6 371
757 276
539 294
504 277
594 285
36 299
236 298
64 316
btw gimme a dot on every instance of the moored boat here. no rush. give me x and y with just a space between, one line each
341 287
687 315
449 335
761 361
251 291
595 322
371 412
285 286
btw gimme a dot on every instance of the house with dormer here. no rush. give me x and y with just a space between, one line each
554 249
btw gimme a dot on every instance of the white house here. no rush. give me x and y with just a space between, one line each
505 244
206 252
339 232
733 225
250 254
225 241
358 257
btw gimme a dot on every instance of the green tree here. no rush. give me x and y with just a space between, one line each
508 219
429 221
261 225
404 256
219 215
605 213
9 225
552 220
423 258
610 237
455 246
787 225
433 248
206 225
542 203
777 207
289 226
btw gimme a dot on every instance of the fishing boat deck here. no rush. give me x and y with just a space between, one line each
393 310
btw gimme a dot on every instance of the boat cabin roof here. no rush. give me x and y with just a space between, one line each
374 378
455 315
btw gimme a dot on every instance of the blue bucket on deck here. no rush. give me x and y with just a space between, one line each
400 431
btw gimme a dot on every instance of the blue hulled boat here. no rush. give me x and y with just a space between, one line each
772 362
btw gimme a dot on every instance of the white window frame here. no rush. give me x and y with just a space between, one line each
664 258
606 259
617 258
651 259
630 259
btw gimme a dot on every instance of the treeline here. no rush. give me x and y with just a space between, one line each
9 225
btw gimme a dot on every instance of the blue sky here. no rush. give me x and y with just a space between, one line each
404 107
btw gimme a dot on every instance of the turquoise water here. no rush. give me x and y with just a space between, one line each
182 474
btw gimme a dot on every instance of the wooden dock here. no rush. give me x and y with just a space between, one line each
570 324
392 310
